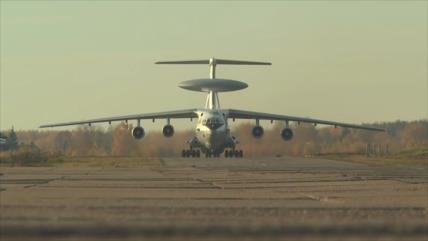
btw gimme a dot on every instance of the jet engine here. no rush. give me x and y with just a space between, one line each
286 134
168 130
257 131
138 132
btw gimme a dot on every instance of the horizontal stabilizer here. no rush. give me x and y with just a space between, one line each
214 61
241 62
184 62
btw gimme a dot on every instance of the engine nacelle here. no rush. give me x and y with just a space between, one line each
138 132
257 131
168 130
286 134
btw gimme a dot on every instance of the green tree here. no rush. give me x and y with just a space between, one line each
12 140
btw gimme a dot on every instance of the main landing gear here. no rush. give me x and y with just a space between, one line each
190 153
197 153
234 153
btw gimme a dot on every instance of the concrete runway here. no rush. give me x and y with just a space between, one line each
216 199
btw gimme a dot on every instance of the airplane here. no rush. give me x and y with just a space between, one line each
212 133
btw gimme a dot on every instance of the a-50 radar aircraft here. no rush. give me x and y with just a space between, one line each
212 135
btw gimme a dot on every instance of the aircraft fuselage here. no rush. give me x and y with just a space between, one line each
212 132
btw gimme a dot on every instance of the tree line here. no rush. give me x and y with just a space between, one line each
307 140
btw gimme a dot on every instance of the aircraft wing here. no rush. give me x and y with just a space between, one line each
190 113
242 114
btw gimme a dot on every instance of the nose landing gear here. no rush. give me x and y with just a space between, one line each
234 153
190 153
211 154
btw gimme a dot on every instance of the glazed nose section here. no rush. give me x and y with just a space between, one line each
214 138
212 135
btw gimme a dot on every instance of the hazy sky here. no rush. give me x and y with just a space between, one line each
350 61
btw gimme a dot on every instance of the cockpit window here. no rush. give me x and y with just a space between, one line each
213 123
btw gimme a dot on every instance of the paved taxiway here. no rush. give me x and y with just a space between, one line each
216 199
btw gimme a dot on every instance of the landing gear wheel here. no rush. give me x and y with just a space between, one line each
233 153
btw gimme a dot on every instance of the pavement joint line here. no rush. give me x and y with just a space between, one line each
217 186
324 199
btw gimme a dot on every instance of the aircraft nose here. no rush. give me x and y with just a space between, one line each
213 137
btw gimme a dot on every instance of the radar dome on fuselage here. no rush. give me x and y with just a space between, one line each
217 85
